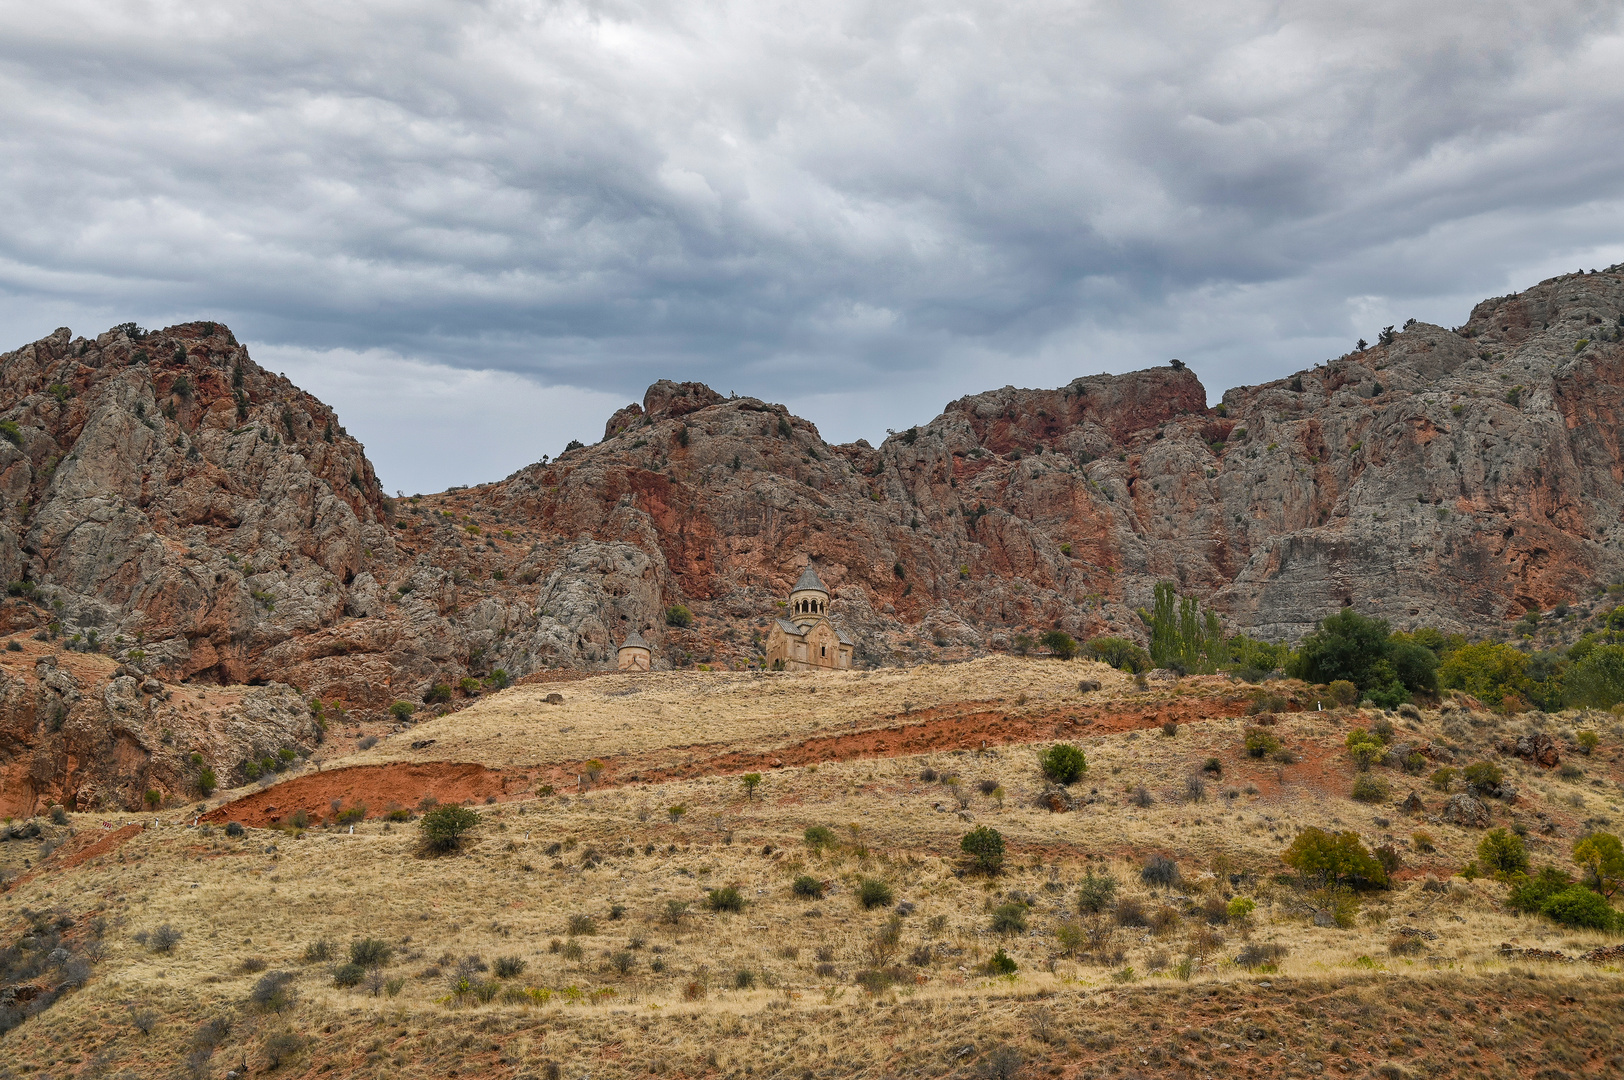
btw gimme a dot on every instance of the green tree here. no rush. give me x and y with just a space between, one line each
678 615
207 782
1120 653
1333 858
750 780
985 847
1597 680
1060 644
1182 636
445 827
1602 856
1361 650
1484 669
1502 853
1063 763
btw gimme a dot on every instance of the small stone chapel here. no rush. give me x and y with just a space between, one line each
804 639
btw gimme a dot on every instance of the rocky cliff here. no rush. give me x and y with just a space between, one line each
165 501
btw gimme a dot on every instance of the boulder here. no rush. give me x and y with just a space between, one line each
1467 811
1539 748
1055 799
1412 804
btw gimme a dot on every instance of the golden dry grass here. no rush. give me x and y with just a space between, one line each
536 862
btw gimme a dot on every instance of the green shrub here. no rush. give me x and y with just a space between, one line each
1602 856
985 847
1063 763
1333 858
207 782
1000 963
1343 692
1260 742
1368 788
10 432
1120 653
348 975
1060 644
1009 918
402 710
1588 741
1578 906
1502 853
726 898
819 837
1484 777
678 615
438 694
1443 778
509 967
353 815
319 951
873 893
1095 893
807 886
370 952
445 827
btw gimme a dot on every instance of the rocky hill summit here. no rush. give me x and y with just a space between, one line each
167 502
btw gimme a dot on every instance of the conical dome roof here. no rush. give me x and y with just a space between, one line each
809 581
634 640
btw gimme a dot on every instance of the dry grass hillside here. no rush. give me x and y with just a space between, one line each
663 918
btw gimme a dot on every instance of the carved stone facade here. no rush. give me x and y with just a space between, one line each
805 639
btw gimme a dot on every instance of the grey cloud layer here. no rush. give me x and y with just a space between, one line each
816 203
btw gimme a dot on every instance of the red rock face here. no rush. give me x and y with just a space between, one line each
210 522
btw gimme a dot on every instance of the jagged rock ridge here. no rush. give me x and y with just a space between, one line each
207 521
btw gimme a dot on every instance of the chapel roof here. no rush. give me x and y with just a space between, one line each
634 640
809 580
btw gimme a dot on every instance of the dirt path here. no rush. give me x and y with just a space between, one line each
404 785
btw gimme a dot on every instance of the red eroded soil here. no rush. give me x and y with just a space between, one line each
102 845
380 787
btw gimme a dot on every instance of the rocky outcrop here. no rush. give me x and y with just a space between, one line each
165 500
87 733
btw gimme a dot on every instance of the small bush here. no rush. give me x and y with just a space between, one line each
282 1046
1484 777
273 992
347 975
370 952
1130 911
1095 893
873 893
808 887
678 615
1502 853
1260 743
1009 918
744 979
1000 963
1214 766
1371 789
319 951
1170 728
445 827
402 710
234 829
509 967
985 847
164 939
1588 741
353 815
580 925
1423 842
1063 763
726 898
819 837
1160 871
1141 797
59 816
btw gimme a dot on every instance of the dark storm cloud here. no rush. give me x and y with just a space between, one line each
822 204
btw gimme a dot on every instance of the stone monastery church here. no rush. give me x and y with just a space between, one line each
805 640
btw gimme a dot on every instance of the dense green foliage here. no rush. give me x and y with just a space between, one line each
985 847
1182 636
1386 667
1120 653
1063 763
1333 858
445 826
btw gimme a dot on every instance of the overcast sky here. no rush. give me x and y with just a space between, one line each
477 228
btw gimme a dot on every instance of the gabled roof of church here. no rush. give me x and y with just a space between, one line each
809 580
788 627
634 640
